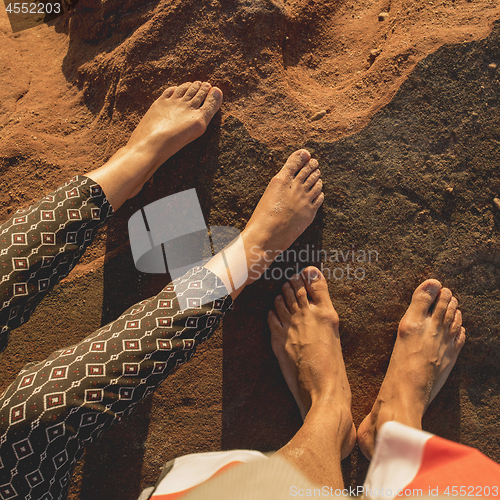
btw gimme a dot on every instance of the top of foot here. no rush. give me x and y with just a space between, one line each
180 115
430 337
286 209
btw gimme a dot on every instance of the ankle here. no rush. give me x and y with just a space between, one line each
142 159
402 410
259 255
335 420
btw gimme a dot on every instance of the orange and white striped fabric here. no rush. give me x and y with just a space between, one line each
409 462
190 471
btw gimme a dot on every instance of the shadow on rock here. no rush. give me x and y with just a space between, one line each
169 42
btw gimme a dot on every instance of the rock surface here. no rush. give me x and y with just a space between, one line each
408 150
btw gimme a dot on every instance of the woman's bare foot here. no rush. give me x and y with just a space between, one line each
287 207
180 115
430 336
305 339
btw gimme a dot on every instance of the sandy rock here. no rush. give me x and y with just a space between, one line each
496 202
374 53
383 16
391 165
317 116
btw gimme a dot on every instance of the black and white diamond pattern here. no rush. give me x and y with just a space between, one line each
54 231
88 387
34 478
7 492
129 368
55 431
17 414
22 449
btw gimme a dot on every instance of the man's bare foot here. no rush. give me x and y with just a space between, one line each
180 115
305 339
430 336
287 207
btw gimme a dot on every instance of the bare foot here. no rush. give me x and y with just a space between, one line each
180 115
286 209
430 336
305 339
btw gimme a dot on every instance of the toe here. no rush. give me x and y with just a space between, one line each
316 203
424 297
311 180
307 170
212 102
296 161
290 298
315 190
282 310
181 89
460 339
300 290
450 312
275 325
442 302
456 323
192 90
201 94
169 92
316 285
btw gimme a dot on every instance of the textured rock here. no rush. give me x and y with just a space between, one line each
290 57
387 159
317 116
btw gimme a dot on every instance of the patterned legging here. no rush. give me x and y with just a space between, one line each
57 406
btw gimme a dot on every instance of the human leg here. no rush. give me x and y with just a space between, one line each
41 244
305 339
430 337
54 408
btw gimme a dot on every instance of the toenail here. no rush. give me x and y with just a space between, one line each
313 275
